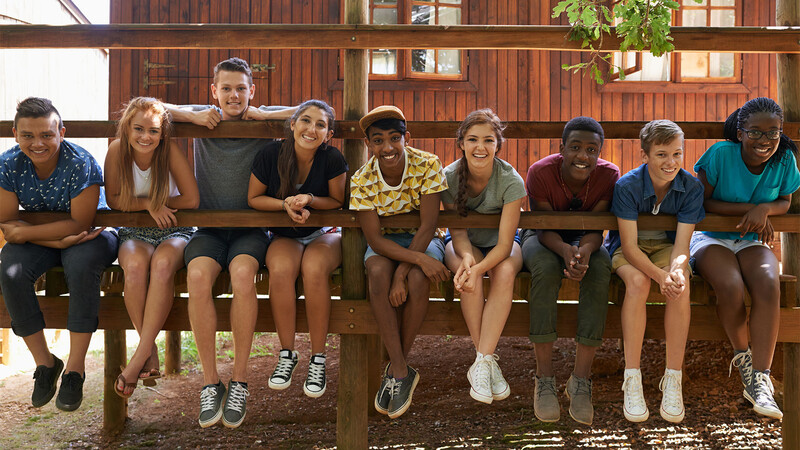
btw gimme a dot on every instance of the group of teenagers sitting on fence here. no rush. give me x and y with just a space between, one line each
752 174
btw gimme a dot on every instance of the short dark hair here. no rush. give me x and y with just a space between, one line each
234 65
584 124
35 107
389 124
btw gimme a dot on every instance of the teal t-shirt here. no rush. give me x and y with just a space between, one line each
733 182
505 186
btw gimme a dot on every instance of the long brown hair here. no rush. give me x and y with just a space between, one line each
479 117
159 169
287 159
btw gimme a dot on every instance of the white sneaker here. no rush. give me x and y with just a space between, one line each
634 406
500 389
480 376
672 401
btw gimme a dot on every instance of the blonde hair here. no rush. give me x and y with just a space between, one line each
159 169
657 132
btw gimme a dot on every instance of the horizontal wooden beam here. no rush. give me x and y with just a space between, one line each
418 129
528 220
335 37
443 318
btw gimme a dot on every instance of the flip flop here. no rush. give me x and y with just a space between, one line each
126 385
150 378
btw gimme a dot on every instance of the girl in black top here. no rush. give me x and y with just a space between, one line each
296 175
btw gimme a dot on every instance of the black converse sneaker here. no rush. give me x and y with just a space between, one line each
70 395
235 405
384 393
44 388
211 404
282 376
760 394
315 381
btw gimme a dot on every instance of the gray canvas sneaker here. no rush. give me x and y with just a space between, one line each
579 393
545 400
235 404
211 404
402 392
761 394
384 393
743 360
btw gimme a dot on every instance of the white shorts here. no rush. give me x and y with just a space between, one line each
702 240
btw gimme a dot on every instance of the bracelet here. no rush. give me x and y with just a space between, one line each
283 206
312 199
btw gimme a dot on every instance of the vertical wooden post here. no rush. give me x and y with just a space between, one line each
351 417
115 408
172 352
788 14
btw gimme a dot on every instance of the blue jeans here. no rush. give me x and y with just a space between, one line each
547 271
22 264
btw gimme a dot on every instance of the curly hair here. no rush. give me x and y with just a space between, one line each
479 117
738 118
159 186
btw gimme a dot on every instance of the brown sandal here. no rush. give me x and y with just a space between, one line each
125 385
150 377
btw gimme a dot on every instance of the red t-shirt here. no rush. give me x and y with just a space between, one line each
544 183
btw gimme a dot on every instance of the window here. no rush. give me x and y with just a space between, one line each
446 64
689 66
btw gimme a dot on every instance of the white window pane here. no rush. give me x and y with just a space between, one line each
721 64
694 18
384 2
449 61
694 65
653 68
723 2
384 62
723 18
384 16
423 60
449 16
454 2
422 15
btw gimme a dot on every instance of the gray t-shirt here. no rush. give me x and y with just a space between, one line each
222 166
505 186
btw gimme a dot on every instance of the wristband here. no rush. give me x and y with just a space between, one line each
312 199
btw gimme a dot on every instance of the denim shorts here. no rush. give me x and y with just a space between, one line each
224 244
702 240
484 250
305 240
435 249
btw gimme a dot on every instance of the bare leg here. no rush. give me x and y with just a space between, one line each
634 313
37 344
498 304
200 275
283 263
676 327
472 303
244 311
380 271
720 268
414 310
322 256
762 277
78 346
584 355
134 258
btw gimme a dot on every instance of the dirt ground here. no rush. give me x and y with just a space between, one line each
442 416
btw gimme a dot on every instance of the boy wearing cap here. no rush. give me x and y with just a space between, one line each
400 262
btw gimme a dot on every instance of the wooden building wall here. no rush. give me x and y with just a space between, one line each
518 85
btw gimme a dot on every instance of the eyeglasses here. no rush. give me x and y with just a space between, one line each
756 134
575 204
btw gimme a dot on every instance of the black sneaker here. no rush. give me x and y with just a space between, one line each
384 393
211 404
44 388
282 376
402 390
70 395
235 405
315 381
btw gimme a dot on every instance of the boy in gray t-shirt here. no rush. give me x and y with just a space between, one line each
222 168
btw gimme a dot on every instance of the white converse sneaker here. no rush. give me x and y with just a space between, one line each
634 406
480 380
500 389
672 401
315 381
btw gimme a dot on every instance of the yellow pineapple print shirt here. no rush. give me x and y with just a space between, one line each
423 175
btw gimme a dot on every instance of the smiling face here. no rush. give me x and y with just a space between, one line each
233 91
756 152
580 152
311 129
40 138
144 132
479 146
388 147
664 161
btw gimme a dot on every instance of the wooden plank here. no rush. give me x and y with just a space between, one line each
336 36
342 218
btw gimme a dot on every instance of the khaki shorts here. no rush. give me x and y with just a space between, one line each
658 250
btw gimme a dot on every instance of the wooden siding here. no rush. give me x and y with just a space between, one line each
518 85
